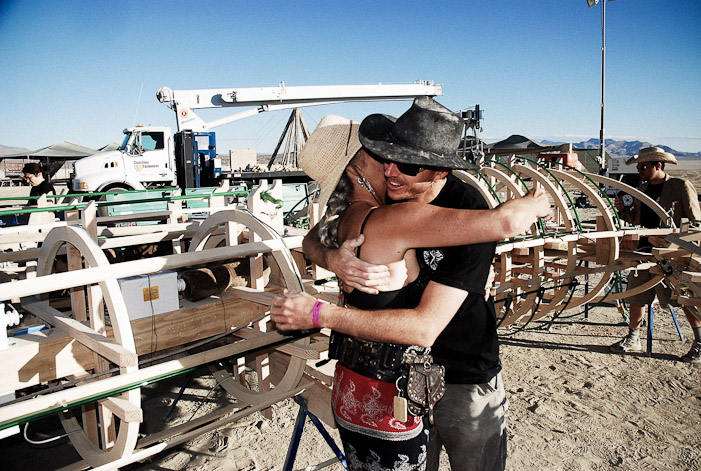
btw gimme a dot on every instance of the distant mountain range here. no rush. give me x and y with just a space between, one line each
5 150
626 148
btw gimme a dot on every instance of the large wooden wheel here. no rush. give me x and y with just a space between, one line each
237 225
539 272
108 429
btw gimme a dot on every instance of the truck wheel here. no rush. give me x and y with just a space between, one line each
103 210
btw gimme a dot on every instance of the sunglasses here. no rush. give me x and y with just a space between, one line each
643 167
410 170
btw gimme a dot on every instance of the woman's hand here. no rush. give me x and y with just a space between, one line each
293 311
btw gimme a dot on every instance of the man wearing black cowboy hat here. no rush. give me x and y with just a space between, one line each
419 149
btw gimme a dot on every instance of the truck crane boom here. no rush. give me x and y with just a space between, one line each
281 97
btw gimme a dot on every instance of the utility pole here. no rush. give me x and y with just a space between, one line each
602 145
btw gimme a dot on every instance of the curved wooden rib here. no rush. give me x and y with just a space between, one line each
651 283
82 436
607 248
634 192
563 218
479 185
235 222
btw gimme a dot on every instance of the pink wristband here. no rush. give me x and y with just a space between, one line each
315 314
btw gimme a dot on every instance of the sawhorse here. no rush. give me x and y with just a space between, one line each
297 435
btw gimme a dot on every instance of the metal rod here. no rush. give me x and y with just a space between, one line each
603 87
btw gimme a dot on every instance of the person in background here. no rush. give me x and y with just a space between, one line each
35 174
679 199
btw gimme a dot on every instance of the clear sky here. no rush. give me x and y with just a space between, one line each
84 70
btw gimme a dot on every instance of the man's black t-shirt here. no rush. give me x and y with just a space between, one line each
649 218
468 347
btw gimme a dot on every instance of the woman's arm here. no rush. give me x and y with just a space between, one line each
408 225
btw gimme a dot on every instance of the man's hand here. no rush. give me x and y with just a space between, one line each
618 203
293 311
541 201
354 272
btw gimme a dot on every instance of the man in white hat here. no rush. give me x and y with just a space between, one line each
679 199
418 149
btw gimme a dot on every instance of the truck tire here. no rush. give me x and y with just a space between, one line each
102 211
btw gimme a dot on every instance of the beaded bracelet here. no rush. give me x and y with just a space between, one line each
315 314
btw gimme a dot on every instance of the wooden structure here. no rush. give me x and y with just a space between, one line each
96 358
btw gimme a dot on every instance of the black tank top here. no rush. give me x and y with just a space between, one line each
405 297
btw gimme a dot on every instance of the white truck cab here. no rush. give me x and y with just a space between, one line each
619 170
144 159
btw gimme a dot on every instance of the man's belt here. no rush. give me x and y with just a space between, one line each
378 360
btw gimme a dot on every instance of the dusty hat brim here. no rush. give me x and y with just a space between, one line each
427 135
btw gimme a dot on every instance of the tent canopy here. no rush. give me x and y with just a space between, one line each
517 143
64 150
55 155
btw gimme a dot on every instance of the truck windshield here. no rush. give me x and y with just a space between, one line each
123 145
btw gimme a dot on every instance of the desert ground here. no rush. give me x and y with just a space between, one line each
573 406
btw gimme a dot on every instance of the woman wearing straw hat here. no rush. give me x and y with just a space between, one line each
352 190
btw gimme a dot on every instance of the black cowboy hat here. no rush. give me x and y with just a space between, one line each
427 134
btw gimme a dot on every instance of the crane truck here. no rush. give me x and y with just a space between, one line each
152 156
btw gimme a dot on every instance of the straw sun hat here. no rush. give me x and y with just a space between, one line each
652 154
326 154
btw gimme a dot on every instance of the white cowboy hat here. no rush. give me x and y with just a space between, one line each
652 154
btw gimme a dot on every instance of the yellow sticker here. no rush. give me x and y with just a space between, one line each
150 294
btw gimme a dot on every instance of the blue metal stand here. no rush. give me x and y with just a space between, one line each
676 323
650 314
297 435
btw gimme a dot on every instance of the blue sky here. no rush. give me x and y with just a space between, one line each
84 70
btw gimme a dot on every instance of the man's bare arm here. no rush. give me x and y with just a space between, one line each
354 272
419 326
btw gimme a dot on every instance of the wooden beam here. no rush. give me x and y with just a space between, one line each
91 275
94 341
123 409
48 355
687 301
690 246
693 277
60 400
309 352
253 295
